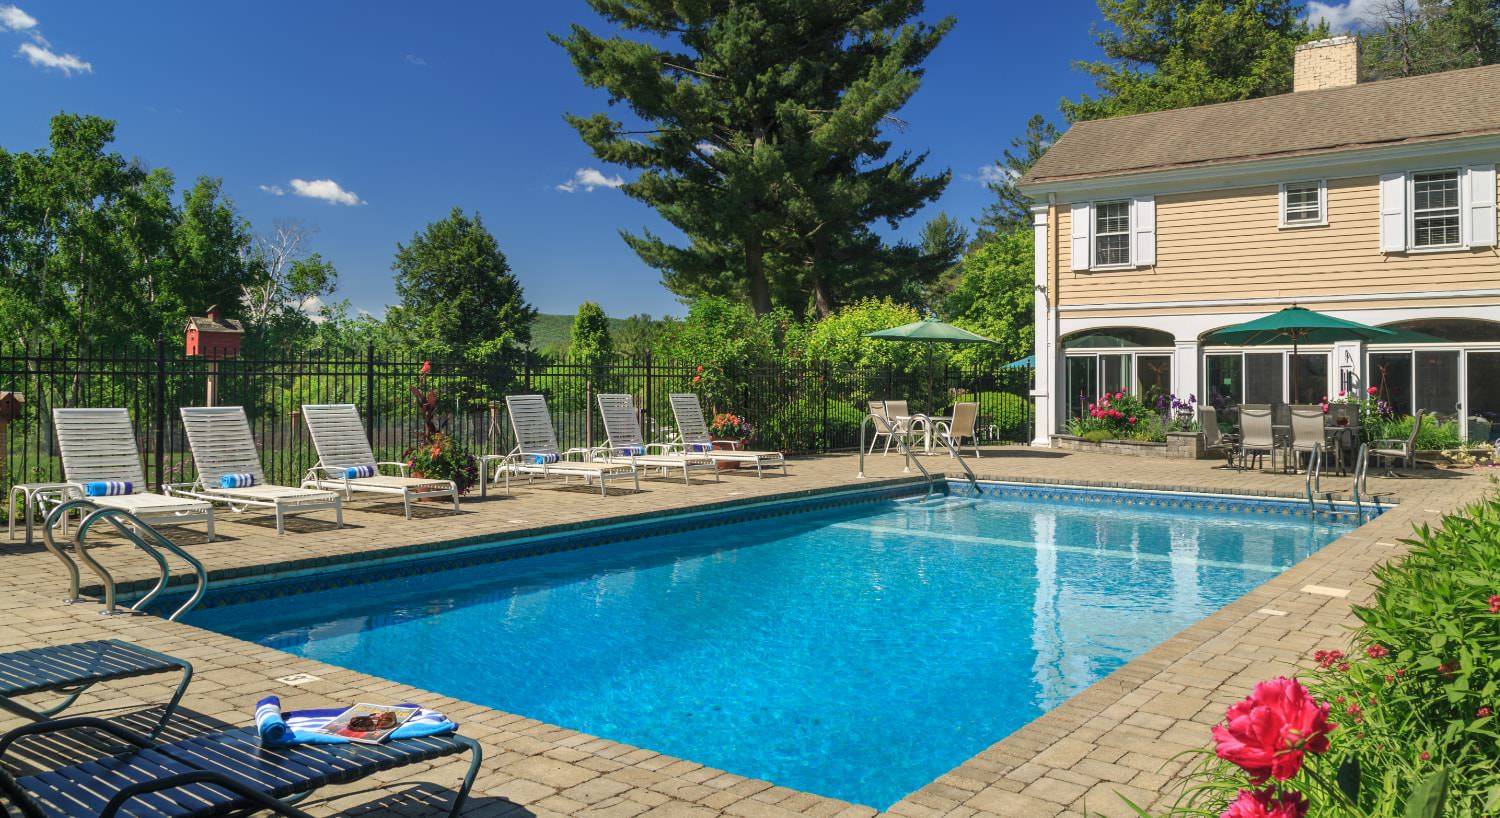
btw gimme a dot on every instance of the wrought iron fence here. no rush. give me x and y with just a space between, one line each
795 407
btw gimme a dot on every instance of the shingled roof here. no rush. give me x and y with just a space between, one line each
1446 105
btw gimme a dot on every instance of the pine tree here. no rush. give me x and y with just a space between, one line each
761 138
1165 54
1013 208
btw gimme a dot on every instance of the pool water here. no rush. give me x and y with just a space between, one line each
857 652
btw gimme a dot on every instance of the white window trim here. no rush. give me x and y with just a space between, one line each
1129 235
1321 221
1411 213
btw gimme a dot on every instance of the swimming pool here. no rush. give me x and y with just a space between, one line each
856 647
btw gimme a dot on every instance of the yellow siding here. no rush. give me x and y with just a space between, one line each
1226 245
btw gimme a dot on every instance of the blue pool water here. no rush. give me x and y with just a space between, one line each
858 651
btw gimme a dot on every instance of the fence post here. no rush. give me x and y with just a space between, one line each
826 437
370 393
161 410
648 388
526 367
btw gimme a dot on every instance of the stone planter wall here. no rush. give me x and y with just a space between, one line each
1179 446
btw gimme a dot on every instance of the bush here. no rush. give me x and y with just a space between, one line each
443 458
1098 435
796 426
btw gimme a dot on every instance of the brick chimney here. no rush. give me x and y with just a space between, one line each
1330 63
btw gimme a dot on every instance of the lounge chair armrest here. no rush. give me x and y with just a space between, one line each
1388 443
73 722
172 782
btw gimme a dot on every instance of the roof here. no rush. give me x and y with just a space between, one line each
204 324
1445 105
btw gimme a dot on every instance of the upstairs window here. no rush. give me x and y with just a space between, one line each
1302 204
1435 211
1112 234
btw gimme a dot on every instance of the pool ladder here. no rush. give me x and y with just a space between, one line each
903 445
1359 489
135 531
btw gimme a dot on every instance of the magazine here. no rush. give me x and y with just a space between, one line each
368 723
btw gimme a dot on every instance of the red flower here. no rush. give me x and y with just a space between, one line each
1267 804
1377 651
1119 396
1328 658
1495 603
426 367
697 378
1425 756
1132 418
1483 711
1267 733
1372 390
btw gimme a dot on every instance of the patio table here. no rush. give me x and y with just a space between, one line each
903 422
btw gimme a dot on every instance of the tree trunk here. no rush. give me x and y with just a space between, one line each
760 289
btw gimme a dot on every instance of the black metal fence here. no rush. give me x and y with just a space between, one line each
795 407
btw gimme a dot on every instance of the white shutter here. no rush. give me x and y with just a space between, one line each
1143 236
1481 205
1081 227
1392 212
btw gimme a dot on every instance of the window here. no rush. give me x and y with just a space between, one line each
1435 209
1302 204
1111 234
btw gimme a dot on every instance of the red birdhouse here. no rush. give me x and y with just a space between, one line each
213 336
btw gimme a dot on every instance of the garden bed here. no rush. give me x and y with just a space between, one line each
1178 446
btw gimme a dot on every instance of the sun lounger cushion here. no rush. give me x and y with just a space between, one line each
239 480
361 472
107 488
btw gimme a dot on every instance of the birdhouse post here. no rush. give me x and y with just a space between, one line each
11 404
213 338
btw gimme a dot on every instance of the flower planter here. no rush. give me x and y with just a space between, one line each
1178 446
727 446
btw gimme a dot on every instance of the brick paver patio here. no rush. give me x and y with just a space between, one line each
1119 736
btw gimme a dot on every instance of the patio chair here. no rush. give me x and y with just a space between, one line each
1404 450
225 454
1257 436
537 453
693 437
882 426
74 668
224 773
347 464
1214 438
1308 433
962 427
99 457
626 444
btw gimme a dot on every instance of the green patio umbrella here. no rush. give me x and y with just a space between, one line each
929 331
1300 326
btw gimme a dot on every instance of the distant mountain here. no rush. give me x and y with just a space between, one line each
550 333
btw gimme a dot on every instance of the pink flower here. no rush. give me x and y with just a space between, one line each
1267 733
1495 603
1377 651
1267 804
1119 396
1343 393
1483 711
1425 756
1132 418
1372 390
1328 658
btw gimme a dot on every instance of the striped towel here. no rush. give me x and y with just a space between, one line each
634 451
699 447
301 727
356 472
239 480
107 488
544 459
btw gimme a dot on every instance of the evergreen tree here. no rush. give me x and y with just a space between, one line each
762 138
1012 208
1423 36
459 299
1163 54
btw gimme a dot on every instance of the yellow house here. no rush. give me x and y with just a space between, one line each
1371 201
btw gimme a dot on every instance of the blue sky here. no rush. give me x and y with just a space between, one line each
372 119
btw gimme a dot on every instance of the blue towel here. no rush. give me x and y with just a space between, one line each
700 447
356 472
544 459
637 451
240 480
107 488
301 726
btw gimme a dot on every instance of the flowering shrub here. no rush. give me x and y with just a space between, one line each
443 458
1379 420
729 426
1120 414
1404 725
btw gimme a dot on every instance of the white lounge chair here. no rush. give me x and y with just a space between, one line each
693 437
343 451
98 446
627 445
223 446
537 453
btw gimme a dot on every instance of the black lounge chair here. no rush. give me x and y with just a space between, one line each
224 773
72 669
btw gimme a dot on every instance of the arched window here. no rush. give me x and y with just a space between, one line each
1454 330
1118 338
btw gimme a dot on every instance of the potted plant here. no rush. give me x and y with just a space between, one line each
730 431
437 455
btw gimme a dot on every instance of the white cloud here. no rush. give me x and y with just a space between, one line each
274 190
326 190
416 60
708 148
15 19
44 57
1344 17
587 179
990 174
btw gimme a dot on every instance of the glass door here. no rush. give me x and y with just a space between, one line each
1482 405
1263 377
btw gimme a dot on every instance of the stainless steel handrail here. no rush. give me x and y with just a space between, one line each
131 528
52 521
902 445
